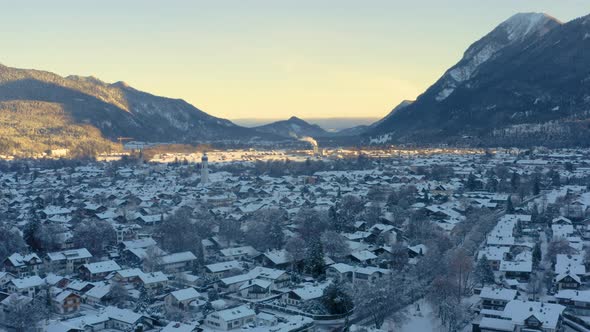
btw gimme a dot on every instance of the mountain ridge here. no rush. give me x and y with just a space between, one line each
118 109
523 89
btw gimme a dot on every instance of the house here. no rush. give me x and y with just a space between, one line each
125 319
66 302
23 265
238 253
99 270
524 316
277 279
135 276
98 294
363 256
178 262
276 259
340 272
5 277
301 295
519 268
567 281
368 274
67 261
230 319
494 255
255 289
496 298
562 231
577 301
27 286
572 265
182 298
223 269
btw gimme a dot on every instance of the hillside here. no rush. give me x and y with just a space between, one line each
118 109
524 83
30 128
293 127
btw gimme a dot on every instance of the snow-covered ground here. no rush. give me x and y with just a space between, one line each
417 320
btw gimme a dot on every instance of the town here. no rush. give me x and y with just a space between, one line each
441 241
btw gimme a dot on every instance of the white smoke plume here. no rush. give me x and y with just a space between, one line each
309 140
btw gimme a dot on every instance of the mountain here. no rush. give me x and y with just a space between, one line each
400 106
294 127
524 83
117 109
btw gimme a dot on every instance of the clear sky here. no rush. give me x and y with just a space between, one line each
260 58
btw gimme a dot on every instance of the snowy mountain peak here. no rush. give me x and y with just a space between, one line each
518 28
522 25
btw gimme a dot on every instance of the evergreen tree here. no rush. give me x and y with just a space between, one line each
143 302
535 213
336 299
30 234
314 262
483 271
509 206
536 186
537 255
515 181
333 217
471 182
276 235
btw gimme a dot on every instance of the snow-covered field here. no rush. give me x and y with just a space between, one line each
418 320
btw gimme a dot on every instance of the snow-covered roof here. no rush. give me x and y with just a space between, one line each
102 267
547 313
234 313
69 254
223 266
178 257
185 294
27 282
498 293
570 264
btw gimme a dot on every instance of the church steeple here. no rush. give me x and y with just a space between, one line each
204 169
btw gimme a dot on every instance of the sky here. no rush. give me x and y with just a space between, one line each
265 59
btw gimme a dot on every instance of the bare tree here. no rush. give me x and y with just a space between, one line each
556 247
23 313
460 267
379 301
118 294
335 245
535 286
94 236
295 247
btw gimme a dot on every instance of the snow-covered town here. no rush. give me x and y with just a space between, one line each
495 241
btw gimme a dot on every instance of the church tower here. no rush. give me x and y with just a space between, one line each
204 169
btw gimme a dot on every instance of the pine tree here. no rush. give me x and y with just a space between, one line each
537 255
483 271
535 213
515 181
336 299
30 234
509 206
314 262
471 182
143 301
536 186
